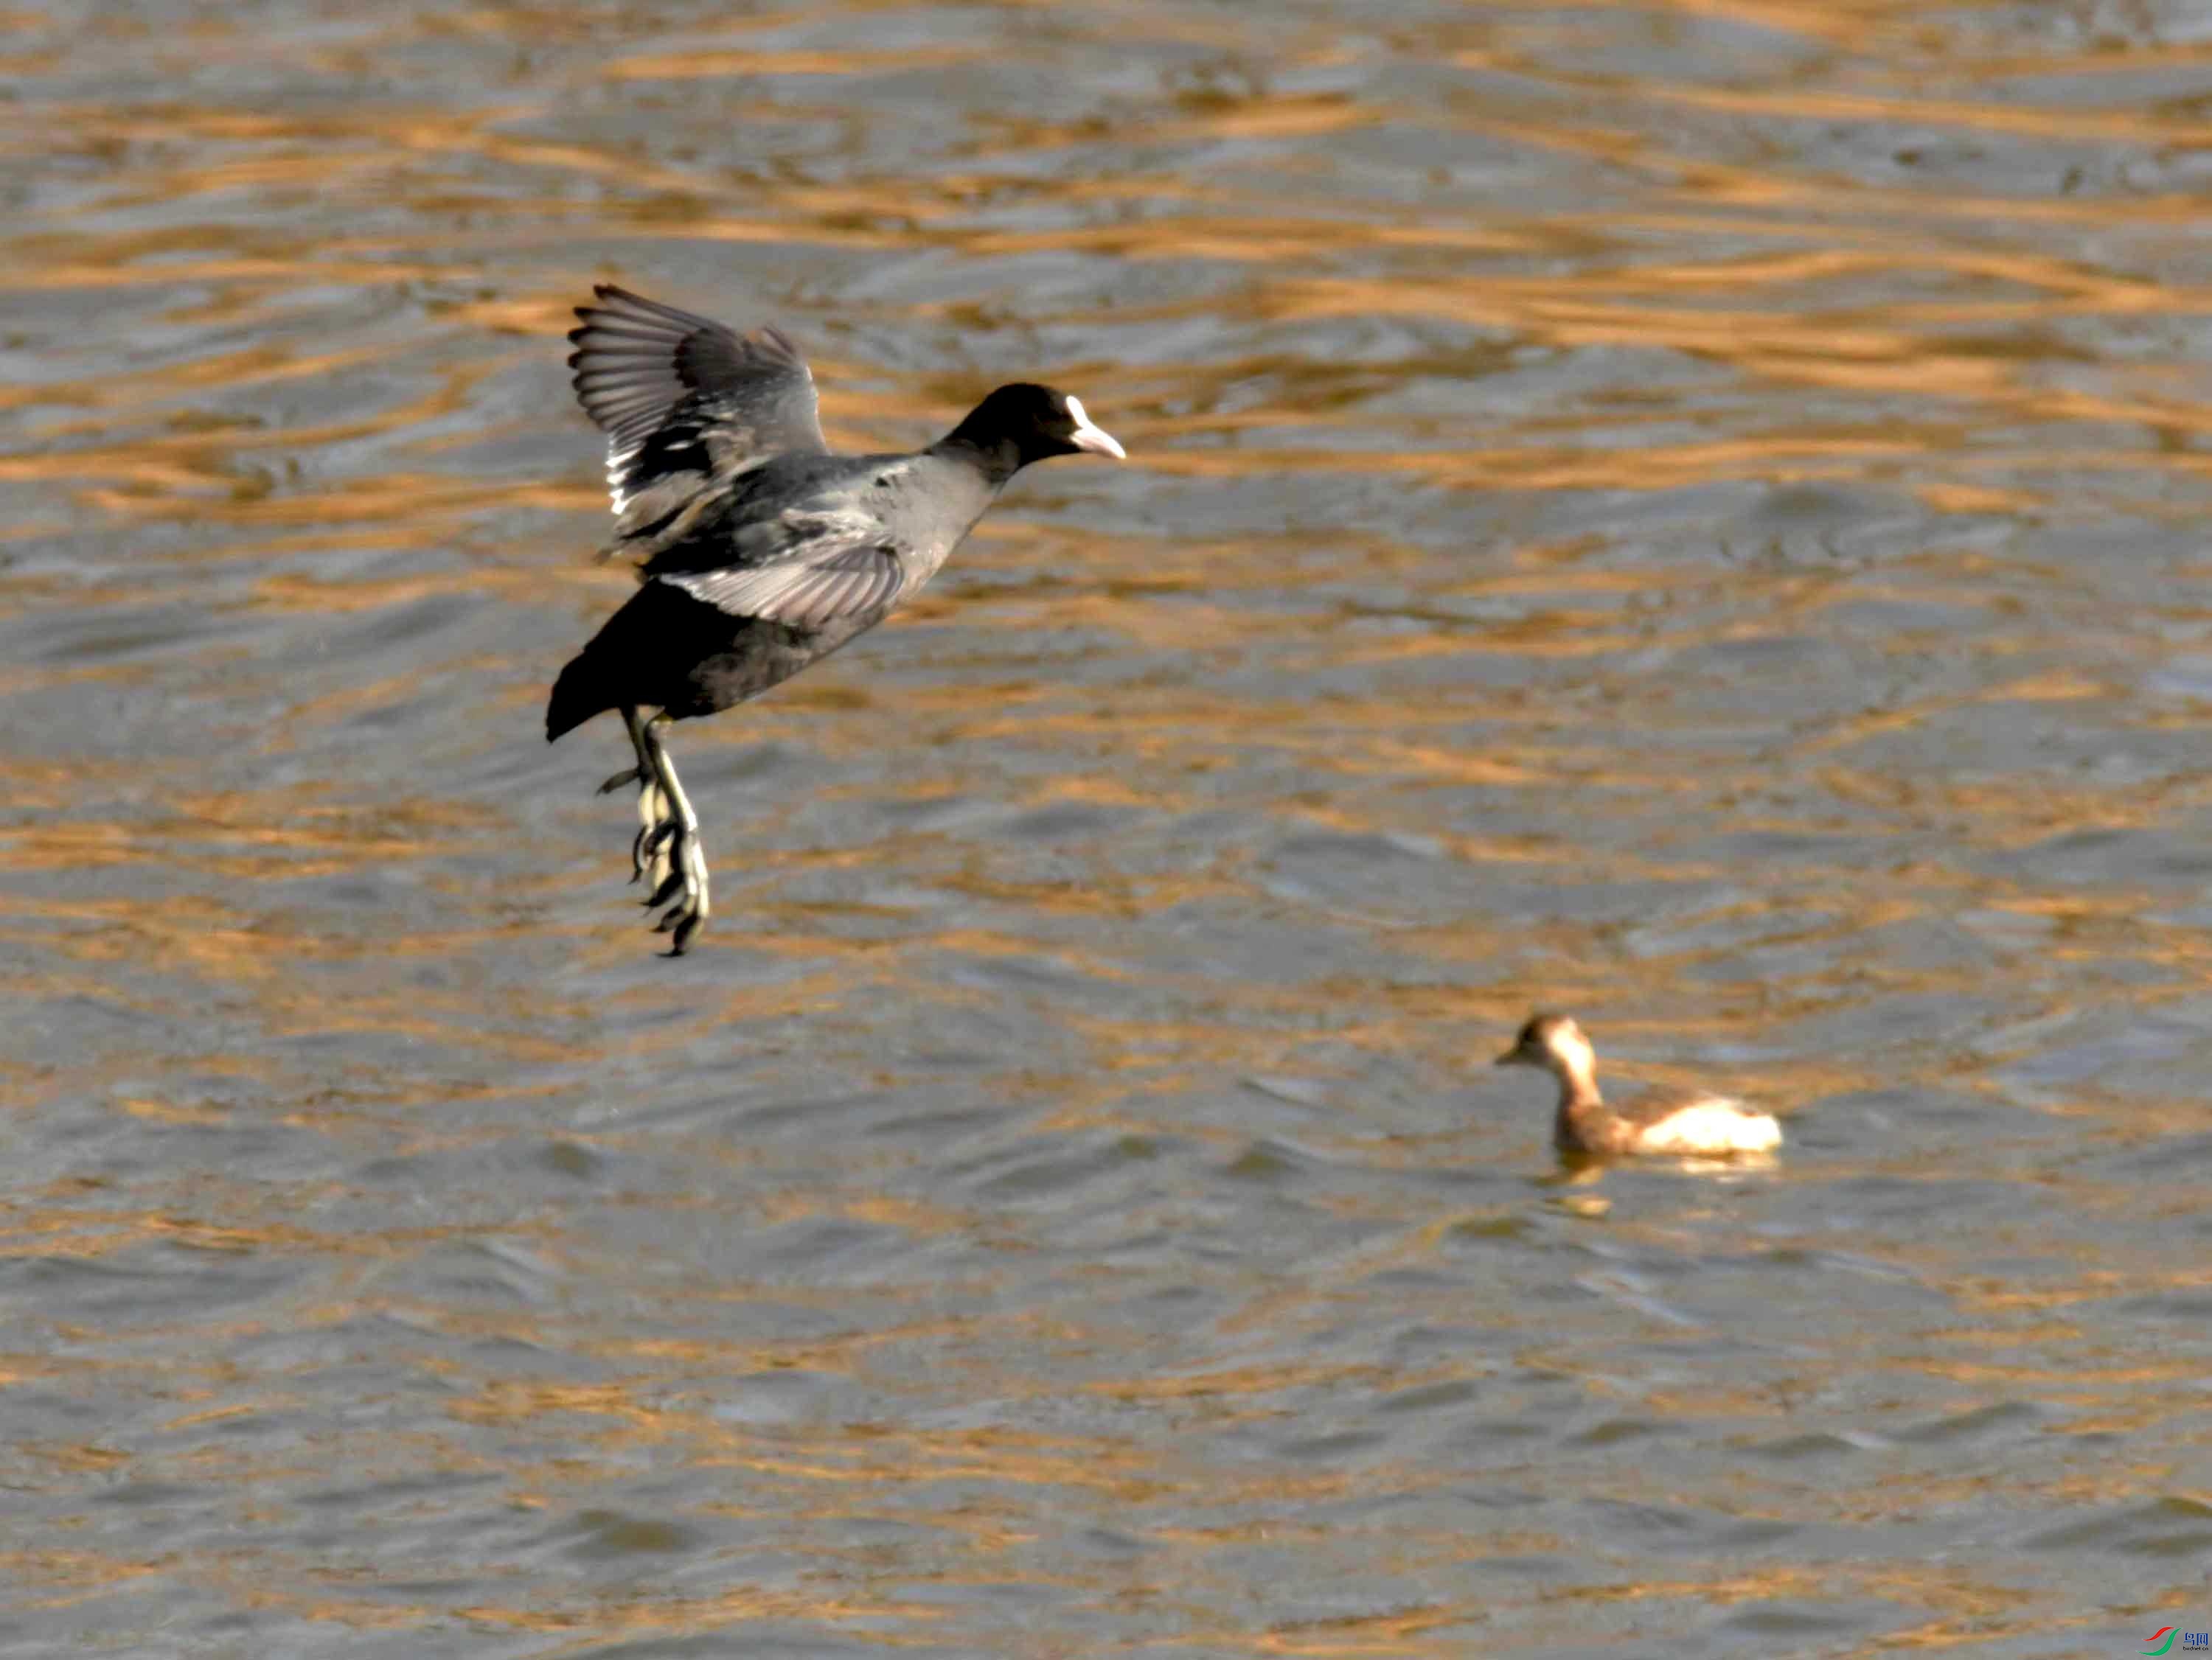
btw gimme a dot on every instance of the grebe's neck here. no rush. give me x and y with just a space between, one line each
1574 1063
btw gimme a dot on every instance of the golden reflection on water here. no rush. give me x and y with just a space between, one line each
1413 643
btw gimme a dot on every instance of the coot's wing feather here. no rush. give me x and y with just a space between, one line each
807 568
677 393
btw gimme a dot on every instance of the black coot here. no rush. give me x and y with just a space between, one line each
760 550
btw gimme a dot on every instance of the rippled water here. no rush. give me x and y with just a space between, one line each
1693 514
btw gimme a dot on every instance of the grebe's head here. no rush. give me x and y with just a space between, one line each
1555 1043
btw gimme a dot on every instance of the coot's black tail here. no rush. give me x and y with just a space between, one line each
580 693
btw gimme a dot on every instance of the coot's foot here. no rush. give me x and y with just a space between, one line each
648 849
667 855
683 890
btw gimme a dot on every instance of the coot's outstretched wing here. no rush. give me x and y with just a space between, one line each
684 401
811 567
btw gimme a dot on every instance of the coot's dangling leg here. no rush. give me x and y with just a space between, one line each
643 769
673 840
652 807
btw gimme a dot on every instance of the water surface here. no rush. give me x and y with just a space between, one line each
1688 512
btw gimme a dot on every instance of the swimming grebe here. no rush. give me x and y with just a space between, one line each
1700 1121
760 551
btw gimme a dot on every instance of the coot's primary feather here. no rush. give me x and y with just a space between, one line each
676 392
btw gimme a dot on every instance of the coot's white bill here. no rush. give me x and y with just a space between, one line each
1089 435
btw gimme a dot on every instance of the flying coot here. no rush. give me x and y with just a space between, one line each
760 551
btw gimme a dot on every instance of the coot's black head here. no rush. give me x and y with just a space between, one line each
1022 423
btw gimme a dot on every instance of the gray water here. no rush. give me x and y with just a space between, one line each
1690 513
